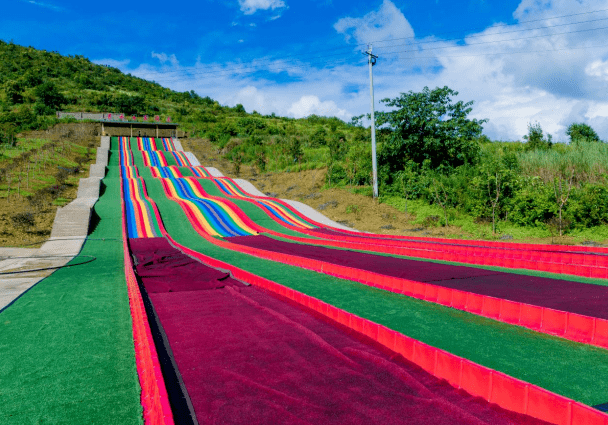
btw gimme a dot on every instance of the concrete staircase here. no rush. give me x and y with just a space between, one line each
22 267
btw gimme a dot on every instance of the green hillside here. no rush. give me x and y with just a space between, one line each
434 162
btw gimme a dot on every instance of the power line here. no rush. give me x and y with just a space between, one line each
498 25
304 55
496 33
281 68
506 53
501 41
468 55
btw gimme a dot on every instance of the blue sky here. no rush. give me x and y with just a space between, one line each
520 61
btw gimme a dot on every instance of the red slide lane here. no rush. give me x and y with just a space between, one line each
249 357
154 398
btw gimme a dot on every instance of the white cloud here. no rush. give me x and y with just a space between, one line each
387 22
308 105
44 5
554 88
164 58
249 7
252 99
598 69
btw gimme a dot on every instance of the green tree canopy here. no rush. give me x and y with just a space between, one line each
536 139
580 133
428 126
49 95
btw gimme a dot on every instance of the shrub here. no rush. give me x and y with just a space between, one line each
588 206
62 175
24 220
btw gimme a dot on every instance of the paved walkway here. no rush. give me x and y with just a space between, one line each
22 268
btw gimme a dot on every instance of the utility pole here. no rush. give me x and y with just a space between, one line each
371 60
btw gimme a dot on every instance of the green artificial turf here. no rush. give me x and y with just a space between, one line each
66 346
574 370
186 172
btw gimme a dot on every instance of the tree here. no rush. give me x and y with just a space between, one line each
408 179
442 197
336 151
562 186
494 195
429 126
319 137
129 105
581 132
535 138
49 95
14 91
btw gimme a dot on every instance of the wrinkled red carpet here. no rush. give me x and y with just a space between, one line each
249 357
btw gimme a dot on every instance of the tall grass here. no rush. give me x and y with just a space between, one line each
589 161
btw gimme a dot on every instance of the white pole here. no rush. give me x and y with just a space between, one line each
371 61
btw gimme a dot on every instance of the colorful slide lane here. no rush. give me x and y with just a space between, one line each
274 207
215 217
141 221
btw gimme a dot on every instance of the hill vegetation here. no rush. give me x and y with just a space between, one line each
435 164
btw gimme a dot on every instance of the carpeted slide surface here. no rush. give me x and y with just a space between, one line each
164 268
574 370
581 298
66 346
248 357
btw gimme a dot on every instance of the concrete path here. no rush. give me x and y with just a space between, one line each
20 267
193 159
214 172
299 206
177 144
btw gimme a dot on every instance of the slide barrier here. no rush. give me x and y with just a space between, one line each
572 326
578 261
154 398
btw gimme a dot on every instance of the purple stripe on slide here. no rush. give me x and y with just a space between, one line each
575 297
